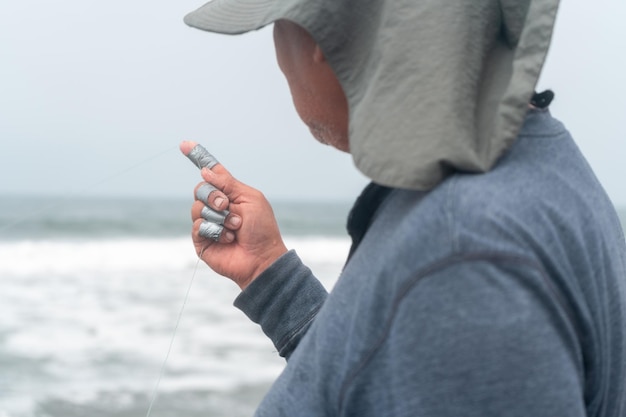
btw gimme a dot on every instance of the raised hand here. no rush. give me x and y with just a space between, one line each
234 228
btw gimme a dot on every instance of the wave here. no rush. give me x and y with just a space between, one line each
87 319
22 218
76 256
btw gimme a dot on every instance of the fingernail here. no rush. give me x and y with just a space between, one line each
234 221
218 201
206 172
229 236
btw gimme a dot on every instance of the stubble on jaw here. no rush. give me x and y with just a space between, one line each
329 135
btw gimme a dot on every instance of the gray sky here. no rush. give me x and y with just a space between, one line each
89 89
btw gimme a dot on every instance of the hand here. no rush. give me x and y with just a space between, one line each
250 241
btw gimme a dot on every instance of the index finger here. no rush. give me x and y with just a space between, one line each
198 155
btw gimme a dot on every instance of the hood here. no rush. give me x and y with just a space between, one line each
433 87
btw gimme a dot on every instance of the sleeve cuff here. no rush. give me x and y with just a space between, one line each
284 300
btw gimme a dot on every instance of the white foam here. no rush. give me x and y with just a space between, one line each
61 257
66 257
98 315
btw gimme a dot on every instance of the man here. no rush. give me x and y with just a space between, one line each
487 273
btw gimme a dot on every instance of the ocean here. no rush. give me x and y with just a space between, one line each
90 291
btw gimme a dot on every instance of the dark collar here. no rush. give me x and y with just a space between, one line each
363 212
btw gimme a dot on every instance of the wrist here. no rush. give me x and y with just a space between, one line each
268 258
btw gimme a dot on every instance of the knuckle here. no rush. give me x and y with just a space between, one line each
195 227
229 185
195 230
196 210
197 187
256 194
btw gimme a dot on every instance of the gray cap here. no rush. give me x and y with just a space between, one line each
433 86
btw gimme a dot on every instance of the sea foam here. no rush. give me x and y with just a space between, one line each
35 257
84 318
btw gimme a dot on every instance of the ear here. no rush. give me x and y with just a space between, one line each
318 55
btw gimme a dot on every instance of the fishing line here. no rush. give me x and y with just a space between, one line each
81 192
155 391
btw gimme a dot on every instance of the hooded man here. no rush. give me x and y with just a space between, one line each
487 271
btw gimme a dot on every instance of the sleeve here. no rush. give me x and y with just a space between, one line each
284 300
479 339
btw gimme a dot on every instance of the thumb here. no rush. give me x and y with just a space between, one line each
212 171
198 155
206 162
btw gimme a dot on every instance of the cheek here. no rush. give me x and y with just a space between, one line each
324 110
305 101
303 95
306 109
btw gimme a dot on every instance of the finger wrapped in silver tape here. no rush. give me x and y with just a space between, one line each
202 158
203 192
213 216
210 230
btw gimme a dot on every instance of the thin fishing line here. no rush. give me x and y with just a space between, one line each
155 391
131 168
81 192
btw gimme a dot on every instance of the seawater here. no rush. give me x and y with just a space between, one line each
90 290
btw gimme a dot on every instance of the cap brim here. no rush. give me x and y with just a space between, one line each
232 16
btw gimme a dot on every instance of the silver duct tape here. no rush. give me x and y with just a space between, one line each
210 230
202 158
203 192
213 216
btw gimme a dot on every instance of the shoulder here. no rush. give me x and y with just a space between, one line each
480 328
540 188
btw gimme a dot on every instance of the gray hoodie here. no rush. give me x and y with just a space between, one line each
497 294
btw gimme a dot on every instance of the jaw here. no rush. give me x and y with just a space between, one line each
330 135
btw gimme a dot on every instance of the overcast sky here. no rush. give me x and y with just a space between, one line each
90 89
